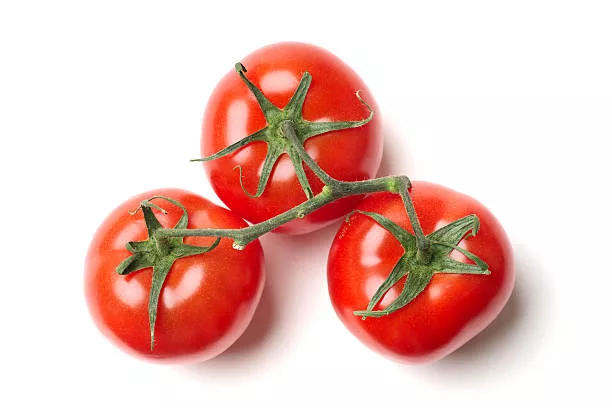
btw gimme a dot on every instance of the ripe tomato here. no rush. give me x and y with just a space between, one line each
451 309
233 113
207 300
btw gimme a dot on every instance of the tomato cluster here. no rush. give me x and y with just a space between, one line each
169 284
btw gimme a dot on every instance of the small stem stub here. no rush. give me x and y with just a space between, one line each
158 253
238 246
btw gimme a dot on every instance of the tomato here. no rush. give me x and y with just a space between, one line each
451 309
207 300
233 113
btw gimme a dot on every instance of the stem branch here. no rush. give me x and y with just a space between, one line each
333 190
246 235
395 184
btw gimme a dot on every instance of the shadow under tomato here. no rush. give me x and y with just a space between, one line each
511 341
255 334
297 243
250 344
504 325
396 159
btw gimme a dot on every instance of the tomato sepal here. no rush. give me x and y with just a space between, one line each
159 253
277 120
417 272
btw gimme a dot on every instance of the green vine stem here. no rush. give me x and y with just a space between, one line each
330 193
333 190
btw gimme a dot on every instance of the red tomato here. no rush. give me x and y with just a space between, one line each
233 113
207 300
451 309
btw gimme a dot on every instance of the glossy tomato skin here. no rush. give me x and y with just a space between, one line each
207 300
232 113
452 308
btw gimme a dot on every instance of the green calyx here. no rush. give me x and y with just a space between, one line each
158 253
418 272
274 136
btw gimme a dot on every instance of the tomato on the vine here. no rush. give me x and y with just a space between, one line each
206 301
451 309
233 113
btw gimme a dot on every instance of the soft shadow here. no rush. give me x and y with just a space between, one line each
296 243
396 159
246 351
255 335
513 339
495 334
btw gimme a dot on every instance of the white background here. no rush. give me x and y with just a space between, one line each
510 102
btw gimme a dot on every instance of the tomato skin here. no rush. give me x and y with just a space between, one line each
232 113
207 300
452 308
